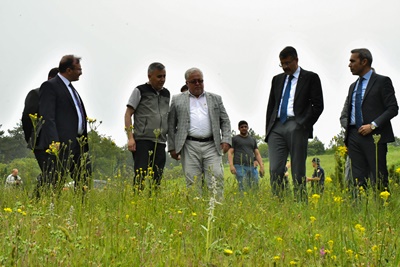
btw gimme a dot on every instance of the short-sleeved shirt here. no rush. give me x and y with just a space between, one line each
243 150
319 173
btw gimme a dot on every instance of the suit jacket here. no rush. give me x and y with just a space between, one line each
308 100
179 121
59 114
31 107
379 104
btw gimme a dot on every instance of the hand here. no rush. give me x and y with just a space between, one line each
174 155
365 129
132 145
308 179
225 147
233 169
262 172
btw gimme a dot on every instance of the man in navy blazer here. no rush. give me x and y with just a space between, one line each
62 142
377 106
295 104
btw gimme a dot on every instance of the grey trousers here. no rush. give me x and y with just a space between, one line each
202 158
286 139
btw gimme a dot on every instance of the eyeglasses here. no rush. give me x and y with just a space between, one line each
196 81
287 63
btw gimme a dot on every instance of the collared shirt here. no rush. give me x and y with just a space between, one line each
200 124
290 111
365 81
80 115
135 97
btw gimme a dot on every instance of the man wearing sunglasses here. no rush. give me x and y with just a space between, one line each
199 132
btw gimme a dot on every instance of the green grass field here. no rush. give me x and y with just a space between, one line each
115 227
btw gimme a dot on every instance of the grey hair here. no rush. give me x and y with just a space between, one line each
363 53
155 66
191 71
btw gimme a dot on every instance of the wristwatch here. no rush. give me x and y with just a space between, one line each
373 127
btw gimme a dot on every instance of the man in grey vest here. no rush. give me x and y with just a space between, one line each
147 136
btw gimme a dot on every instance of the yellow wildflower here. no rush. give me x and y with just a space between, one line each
317 236
338 199
194 214
277 258
309 251
313 219
398 170
228 252
90 120
246 250
293 263
328 180
7 209
374 248
384 195
315 198
330 243
342 151
279 239
360 228
349 252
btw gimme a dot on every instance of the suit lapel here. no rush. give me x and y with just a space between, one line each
300 84
65 90
209 106
186 104
371 82
281 84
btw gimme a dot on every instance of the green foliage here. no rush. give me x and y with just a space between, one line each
13 145
263 148
315 147
115 227
108 160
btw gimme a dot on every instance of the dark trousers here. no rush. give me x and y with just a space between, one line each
54 169
284 139
149 159
362 151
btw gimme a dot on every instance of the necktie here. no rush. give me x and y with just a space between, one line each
357 106
285 100
78 102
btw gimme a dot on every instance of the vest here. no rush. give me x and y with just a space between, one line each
151 115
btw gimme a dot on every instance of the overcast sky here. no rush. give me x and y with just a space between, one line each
235 43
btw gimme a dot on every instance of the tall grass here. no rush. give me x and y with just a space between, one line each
116 227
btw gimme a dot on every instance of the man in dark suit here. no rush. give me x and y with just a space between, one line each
62 145
32 107
371 104
295 104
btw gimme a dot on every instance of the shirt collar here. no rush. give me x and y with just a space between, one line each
296 74
202 95
367 75
65 80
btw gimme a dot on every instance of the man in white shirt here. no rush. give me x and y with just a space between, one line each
196 121
13 180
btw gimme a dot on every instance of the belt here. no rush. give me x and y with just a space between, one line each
208 139
290 118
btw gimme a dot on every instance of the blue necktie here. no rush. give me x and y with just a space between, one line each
285 100
357 105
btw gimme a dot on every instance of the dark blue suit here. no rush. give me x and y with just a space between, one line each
379 105
292 136
60 125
